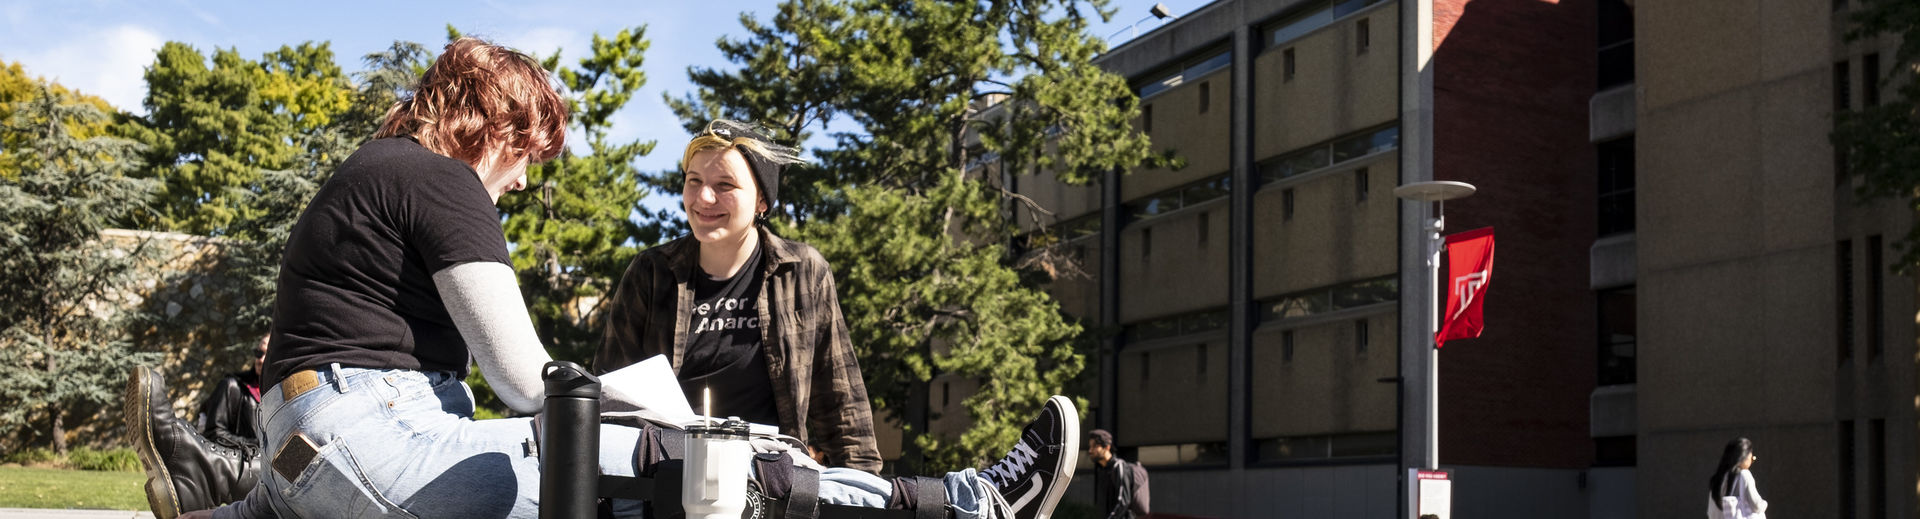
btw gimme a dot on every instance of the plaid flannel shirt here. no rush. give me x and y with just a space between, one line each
809 356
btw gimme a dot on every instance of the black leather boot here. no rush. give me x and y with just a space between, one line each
185 472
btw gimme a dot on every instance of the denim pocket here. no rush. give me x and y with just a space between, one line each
334 486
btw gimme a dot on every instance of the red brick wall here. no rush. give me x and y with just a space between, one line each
1511 84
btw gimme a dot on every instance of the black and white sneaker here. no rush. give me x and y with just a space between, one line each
1033 476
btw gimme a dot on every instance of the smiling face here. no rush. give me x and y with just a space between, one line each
720 197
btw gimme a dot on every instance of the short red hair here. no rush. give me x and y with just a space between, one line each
478 97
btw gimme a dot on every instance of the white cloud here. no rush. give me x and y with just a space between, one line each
108 62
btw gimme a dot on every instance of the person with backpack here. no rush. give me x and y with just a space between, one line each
1119 488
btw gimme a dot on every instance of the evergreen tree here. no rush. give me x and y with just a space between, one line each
572 229
1882 143
916 232
212 132
61 355
17 87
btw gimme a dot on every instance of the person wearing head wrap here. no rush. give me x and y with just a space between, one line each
741 312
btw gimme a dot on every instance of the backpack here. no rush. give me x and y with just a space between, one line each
1142 502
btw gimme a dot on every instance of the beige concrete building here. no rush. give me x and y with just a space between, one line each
1679 262
1766 307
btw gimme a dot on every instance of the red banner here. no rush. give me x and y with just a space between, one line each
1469 270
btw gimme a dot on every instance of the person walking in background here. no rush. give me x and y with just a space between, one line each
1119 488
1731 493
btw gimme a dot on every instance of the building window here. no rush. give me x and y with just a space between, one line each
1842 86
1355 294
1843 292
1877 468
1360 185
1329 154
1286 348
1287 64
1320 447
1616 186
1146 118
1146 366
1191 69
1619 333
1200 360
1876 301
1146 242
1286 204
1174 326
1846 469
946 394
1203 227
1205 94
1870 80
1210 453
1362 36
1360 337
1189 195
1312 19
1839 5
1839 165
1614 45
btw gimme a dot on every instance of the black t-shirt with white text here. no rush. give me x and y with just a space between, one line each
356 281
723 350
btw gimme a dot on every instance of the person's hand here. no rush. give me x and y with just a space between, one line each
198 514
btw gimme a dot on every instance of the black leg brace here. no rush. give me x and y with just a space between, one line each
790 491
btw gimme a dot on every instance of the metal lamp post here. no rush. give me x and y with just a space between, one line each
1440 192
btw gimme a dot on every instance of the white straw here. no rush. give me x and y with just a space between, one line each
706 393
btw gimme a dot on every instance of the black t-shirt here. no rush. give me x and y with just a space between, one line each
356 283
723 350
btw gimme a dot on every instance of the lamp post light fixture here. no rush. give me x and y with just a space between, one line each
1435 194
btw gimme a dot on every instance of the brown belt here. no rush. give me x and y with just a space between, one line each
298 384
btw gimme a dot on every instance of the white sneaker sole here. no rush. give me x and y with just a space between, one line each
1069 456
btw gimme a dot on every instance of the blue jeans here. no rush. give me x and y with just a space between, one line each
401 443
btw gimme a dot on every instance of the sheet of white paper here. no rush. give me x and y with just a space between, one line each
651 385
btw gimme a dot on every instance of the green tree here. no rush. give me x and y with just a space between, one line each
917 234
1882 143
212 131
61 354
17 87
573 227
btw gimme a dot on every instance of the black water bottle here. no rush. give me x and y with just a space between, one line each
570 442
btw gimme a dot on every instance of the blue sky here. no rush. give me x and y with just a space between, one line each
101 46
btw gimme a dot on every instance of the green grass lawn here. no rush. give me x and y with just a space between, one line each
28 487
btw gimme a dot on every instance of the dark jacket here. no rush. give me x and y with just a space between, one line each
227 415
817 386
1113 489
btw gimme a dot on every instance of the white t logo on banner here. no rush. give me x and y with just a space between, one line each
1465 288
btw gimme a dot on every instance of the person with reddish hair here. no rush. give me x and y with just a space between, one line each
395 279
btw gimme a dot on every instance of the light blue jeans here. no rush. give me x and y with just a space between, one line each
401 443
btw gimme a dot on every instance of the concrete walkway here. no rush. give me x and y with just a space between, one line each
42 513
